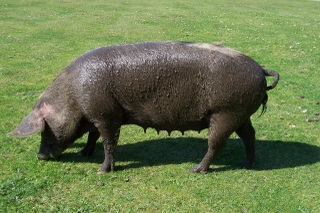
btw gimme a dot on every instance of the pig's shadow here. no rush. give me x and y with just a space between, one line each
269 154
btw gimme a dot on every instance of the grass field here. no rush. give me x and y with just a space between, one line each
38 38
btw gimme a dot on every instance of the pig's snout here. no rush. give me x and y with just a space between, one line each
46 154
42 156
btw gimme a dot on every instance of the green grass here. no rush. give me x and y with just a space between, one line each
38 38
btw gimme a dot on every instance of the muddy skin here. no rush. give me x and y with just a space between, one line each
163 85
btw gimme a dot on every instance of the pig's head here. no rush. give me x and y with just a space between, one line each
58 131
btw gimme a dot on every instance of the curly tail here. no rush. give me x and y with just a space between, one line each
274 84
276 78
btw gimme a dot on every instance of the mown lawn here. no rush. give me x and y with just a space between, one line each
38 38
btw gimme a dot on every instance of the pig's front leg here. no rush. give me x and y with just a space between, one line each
89 148
110 138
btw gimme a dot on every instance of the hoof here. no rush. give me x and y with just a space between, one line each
246 165
85 153
106 168
99 172
199 169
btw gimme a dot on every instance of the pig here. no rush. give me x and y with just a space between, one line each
162 85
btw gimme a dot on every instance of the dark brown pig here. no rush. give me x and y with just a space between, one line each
164 85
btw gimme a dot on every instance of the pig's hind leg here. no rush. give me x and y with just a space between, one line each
247 134
220 128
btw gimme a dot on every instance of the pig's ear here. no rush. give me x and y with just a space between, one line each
32 123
